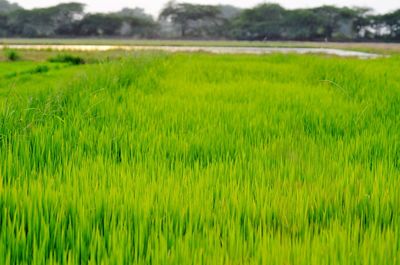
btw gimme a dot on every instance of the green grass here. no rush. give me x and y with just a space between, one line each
202 159
23 80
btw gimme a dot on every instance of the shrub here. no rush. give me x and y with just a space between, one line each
39 69
67 58
12 55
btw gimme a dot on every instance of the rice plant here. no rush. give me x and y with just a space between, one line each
203 159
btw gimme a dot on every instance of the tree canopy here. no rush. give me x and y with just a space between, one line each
6 7
192 18
195 21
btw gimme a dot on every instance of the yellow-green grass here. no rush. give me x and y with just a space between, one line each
29 55
202 159
23 79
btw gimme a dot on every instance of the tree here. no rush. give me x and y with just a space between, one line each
192 19
300 24
135 12
363 23
3 25
228 11
29 23
335 23
100 25
136 23
115 25
7 7
391 22
184 20
65 17
262 22
45 22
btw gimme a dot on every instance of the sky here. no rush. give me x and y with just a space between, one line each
154 6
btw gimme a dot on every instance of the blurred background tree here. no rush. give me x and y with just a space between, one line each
193 21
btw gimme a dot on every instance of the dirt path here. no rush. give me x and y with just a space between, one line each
218 50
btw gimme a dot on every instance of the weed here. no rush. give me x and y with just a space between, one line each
67 58
12 55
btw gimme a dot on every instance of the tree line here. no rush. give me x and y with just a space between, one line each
194 21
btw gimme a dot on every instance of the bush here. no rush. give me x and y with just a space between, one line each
12 55
39 69
67 58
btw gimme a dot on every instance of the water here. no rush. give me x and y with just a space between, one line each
218 50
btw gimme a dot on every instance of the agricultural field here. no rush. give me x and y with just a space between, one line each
193 158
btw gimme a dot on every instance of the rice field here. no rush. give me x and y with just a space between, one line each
184 158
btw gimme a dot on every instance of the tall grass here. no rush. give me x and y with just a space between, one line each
205 159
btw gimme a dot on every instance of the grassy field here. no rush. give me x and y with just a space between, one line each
200 159
381 48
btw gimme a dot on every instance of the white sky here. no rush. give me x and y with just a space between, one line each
154 6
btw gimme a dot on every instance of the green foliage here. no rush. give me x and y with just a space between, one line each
191 17
390 22
39 69
203 159
6 7
197 21
263 22
44 22
12 55
114 24
67 58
